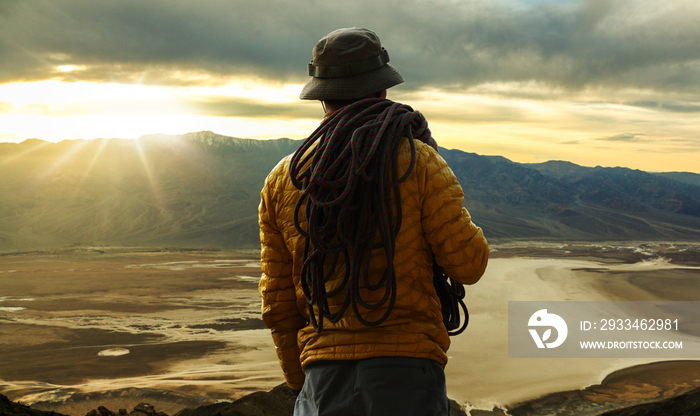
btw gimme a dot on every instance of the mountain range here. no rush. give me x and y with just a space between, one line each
202 190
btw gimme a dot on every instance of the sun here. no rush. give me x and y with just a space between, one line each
58 110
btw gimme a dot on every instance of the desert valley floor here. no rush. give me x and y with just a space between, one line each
182 327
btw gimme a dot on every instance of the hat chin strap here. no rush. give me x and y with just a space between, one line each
352 68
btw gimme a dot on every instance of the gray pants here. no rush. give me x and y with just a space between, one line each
381 386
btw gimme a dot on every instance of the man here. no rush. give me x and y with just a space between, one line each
351 226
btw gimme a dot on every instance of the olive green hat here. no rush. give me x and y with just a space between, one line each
349 63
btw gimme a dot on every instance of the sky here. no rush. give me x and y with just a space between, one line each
609 83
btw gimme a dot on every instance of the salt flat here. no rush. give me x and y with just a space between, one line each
87 321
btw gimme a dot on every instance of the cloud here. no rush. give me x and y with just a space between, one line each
640 44
124 40
676 107
624 137
242 107
571 141
671 150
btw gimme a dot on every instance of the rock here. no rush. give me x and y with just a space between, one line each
687 404
210 409
280 402
495 412
277 402
10 408
456 409
105 412
143 408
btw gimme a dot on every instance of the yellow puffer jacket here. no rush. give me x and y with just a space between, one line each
434 221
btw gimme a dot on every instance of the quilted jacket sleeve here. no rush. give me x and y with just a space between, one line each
279 307
458 244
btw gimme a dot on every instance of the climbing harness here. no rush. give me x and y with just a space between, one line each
348 176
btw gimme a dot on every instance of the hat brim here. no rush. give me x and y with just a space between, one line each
354 86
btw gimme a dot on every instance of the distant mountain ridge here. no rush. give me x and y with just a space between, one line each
202 190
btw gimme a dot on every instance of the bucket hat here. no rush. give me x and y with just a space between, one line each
349 63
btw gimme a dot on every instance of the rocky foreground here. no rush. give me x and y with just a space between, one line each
280 402
277 402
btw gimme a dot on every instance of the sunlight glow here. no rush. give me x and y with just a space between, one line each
520 121
70 68
582 128
250 89
55 111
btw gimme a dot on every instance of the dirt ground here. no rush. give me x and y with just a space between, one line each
183 328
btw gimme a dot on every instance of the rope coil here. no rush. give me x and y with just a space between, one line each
347 171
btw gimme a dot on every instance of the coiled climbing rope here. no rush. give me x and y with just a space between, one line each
348 176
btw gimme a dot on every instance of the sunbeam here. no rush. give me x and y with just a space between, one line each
61 160
23 153
155 188
103 143
86 173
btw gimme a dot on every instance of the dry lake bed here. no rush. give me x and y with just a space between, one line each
89 326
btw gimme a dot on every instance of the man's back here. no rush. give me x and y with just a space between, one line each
355 228
433 221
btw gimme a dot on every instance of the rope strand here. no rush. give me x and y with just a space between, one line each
347 171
